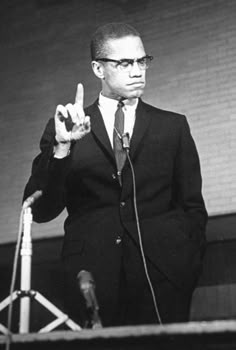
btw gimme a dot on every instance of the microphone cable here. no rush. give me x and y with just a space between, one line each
126 147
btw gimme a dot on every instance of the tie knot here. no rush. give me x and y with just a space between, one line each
120 104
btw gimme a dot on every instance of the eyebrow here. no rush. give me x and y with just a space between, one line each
105 59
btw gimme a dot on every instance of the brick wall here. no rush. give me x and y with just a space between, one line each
45 51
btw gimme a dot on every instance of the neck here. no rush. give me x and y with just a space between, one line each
130 101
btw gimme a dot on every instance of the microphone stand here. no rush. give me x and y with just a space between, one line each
26 294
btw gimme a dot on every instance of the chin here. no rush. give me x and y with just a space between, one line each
136 94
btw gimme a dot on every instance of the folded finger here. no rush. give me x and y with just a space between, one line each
61 113
79 113
87 123
72 114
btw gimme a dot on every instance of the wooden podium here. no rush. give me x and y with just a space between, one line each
215 335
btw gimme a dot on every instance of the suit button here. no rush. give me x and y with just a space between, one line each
122 204
118 240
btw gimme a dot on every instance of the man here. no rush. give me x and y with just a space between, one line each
138 226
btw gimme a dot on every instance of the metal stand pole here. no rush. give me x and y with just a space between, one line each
26 294
25 286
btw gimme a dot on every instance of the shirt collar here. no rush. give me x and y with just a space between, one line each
106 102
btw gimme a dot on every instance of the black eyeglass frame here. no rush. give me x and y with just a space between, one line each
126 60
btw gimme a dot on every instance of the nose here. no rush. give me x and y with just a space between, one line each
135 70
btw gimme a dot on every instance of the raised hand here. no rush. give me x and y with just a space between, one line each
80 123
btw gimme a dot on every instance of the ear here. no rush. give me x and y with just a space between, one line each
98 69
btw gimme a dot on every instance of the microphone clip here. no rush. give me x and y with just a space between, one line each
126 141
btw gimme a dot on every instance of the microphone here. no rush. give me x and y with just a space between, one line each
126 141
32 199
87 287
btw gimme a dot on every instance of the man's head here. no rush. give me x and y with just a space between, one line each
119 60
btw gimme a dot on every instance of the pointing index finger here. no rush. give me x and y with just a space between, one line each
79 97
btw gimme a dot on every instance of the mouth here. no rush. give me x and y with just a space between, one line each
137 84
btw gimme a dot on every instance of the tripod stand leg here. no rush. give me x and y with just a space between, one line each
4 304
3 329
7 300
61 317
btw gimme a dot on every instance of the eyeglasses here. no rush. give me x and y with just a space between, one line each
126 64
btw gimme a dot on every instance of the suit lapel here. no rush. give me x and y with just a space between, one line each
142 121
98 129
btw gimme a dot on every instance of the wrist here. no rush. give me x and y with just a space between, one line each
62 149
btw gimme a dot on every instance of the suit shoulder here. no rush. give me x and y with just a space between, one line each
165 114
91 108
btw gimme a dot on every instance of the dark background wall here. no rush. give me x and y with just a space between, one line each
44 53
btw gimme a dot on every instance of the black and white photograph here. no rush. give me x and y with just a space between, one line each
118 180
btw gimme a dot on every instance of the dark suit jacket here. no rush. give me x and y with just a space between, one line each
169 200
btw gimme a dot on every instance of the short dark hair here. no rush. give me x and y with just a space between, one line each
107 32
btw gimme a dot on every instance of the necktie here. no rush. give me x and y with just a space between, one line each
120 153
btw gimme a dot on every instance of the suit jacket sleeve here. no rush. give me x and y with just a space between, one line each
47 174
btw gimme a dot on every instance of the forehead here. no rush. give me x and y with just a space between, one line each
126 47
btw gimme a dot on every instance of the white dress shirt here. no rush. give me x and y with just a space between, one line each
108 107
